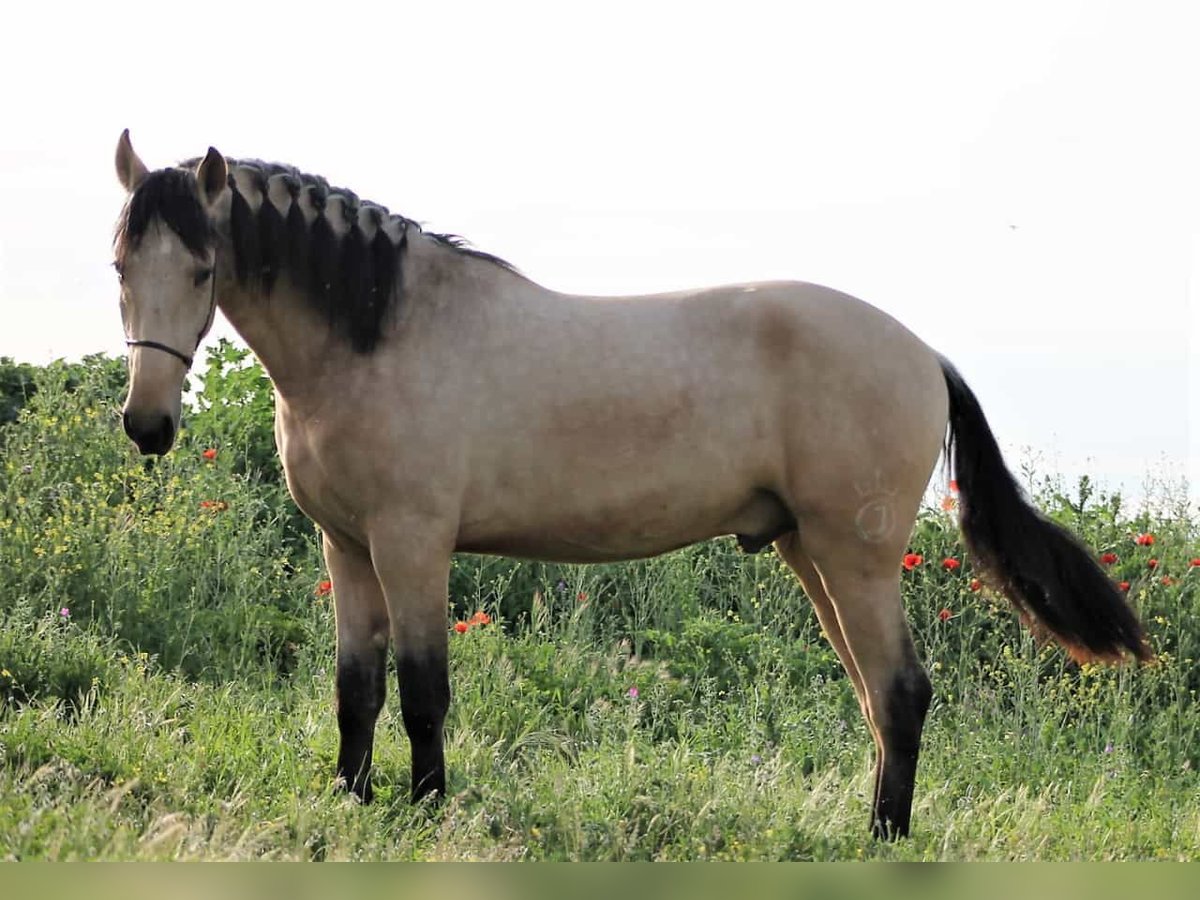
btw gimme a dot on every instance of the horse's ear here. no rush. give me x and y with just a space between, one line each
130 169
213 177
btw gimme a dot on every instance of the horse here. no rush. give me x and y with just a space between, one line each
430 399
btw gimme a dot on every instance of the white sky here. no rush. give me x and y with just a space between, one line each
1017 182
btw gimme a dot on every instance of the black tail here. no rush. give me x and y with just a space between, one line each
1045 571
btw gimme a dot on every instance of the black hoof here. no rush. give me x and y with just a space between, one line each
362 792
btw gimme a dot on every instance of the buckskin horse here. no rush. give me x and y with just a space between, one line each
430 399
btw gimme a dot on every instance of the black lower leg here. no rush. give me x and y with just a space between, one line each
361 688
424 700
907 702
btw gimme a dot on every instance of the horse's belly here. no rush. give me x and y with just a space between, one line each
577 534
579 548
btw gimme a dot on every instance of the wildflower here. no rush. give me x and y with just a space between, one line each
948 503
1167 581
1195 563
912 560
755 759
210 454
945 615
1108 748
1152 563
64 613
561 587
975 585
27 469
461 627
1144 540
950 564
633 693
480 618
953 486
323 587
581 596
1123 585
1108 558
214 505
6 673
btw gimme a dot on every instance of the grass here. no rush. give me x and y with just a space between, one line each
679 708
550 758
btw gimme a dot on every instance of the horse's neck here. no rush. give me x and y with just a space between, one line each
279 328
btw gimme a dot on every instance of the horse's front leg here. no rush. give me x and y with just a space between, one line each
414 570
362 638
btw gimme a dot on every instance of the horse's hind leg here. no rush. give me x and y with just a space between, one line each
362 639
788 547
863 583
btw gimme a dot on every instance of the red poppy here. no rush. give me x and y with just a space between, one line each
210 454
461 627
480 618
1167 580
215 505
323 588
1123 585
953 486
912 560
1195 563
948 504
950 564
1152 563
1144 540
945 615
975 584
1108 558
581 596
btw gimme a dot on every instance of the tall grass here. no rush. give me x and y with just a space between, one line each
166 660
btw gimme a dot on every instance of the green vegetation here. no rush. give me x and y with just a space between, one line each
166 662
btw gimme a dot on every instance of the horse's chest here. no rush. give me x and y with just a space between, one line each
323 482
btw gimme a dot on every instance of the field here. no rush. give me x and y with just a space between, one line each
166 679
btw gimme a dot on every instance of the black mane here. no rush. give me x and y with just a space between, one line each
352 280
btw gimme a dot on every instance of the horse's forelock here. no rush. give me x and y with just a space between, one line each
170 196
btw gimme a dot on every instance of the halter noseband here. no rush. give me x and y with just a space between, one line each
155 345
184 357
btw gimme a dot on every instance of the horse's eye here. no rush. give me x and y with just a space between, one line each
202 276
120 273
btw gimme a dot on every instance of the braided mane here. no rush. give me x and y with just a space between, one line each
343 253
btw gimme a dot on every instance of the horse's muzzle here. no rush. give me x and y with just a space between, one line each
152 434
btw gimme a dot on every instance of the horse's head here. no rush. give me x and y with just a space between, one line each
165 258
